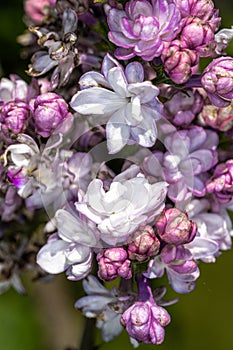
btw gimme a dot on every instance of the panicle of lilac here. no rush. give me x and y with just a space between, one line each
113 262
50 111
144 244
216 117
145 320
182 107
221 183
143 28
217 81
179 61
203 9
173 226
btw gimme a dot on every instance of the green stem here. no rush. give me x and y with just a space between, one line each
88 339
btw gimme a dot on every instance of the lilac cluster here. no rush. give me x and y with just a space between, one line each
125 142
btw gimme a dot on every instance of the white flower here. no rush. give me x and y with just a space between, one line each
128 204
122 96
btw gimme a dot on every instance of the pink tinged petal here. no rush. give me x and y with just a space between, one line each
124 54
177 191
135 8
134 72
51 257
202 160
73 229
114 18
183 283
196 185
129 30
118 82
120 40
97 101
93 79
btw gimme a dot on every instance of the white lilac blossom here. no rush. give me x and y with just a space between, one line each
70 249
214 230
123 100
128 204
222 39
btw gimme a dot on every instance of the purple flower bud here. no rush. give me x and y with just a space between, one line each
203 9
144 244
174 227
143 28
217 80
218 118
221 184
145 320
178 62
197 35
182 107
50 111
14 117
114 262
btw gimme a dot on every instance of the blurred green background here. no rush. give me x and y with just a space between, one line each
45 319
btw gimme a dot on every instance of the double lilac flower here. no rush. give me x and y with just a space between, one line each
121 99
144 28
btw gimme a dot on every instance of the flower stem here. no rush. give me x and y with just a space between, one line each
88 339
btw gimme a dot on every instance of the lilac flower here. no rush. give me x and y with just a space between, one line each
217 80
218 118
182 107
128 204
179 61
221 183
105 305
113 262
183 167
70 249
222 39
14 117
144 244
182 270
50 111
13 89
131 104
145 320
174 227
214 231
143 28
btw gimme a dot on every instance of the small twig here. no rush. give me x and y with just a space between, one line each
88 339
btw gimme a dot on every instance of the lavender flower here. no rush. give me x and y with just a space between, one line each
174 227
131 104
221 183
145 320
183 167
49 112
143 28
144 244
113 262
217 80
14 117
128 204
